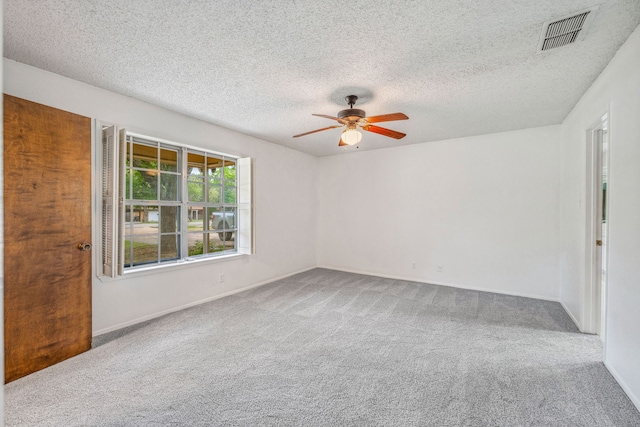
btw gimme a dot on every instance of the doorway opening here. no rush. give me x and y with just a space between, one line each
597 227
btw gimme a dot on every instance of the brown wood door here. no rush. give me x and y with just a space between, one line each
47 215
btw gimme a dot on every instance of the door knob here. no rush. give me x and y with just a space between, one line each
84 246
599 242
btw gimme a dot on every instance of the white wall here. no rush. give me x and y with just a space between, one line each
616 90
483 208
285 201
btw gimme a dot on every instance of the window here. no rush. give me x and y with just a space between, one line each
167 203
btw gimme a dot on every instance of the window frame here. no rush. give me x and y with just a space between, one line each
124 144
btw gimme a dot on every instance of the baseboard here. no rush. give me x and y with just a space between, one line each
634 399
194 303
571 316
451 285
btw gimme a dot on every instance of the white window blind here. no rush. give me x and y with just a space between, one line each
111 202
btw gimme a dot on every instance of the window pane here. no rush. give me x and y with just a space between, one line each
230 217
127 251
169 219
213 162
215 176
195 164
196 244
169 186
214 193
229 172
223 222
137 213
128 215
216 217
145 185
229 194
169 223
209 212
141 238
144 248
197 218
195 179
168 160
216 244
224 241
145 156
169 247
202 244
214 170
127 184
195 188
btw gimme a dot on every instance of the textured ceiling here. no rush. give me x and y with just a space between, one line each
455 67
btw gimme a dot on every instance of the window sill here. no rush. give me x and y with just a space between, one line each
155 269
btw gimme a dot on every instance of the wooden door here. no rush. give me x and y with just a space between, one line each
47 215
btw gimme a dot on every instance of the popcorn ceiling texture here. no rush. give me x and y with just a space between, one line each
456 68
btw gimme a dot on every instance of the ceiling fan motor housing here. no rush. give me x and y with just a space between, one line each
351 114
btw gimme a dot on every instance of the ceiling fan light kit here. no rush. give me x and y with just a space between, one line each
353 118
351 137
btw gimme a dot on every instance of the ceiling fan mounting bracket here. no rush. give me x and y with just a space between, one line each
351 100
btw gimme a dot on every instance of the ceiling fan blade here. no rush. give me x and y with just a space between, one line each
331 118
342 143
317 130
384 131
386 118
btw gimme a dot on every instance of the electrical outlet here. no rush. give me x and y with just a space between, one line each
221 278
439 269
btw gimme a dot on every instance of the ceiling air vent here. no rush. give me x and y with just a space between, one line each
564 31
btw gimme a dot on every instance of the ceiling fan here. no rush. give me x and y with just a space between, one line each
352 119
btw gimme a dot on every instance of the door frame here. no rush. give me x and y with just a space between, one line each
594 308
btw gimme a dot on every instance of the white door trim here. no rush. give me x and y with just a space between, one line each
592 312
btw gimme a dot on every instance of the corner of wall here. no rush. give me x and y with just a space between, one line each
632 396
570 314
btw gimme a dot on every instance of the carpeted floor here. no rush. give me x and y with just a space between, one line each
326 348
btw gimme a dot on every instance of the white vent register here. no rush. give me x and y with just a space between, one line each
565 30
